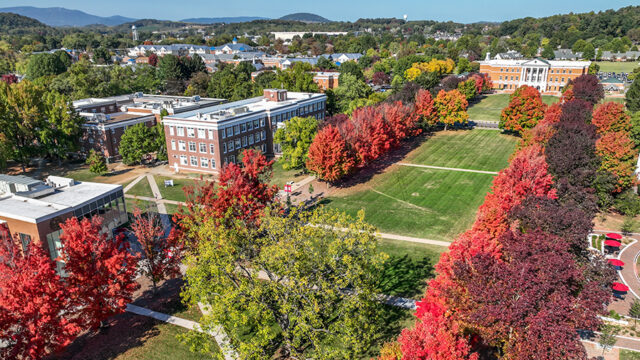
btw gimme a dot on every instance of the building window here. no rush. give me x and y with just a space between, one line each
264 135
25 240
171 131
224 133
250 126
500 77
264 148
192 146
183 159
250 139
232 159
238 144
243 127
204 162
191 132
255 123
244 141
213 163
210 134
224 148
230 146
229 131
182 146
236 129
203 148
173 144
212 148
180 131
262 122
201 134
194 161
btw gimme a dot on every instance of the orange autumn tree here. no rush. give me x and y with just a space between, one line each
451 108
524 111
330 157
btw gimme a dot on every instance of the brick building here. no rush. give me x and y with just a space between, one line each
203 140
108 118
326 80
33 210
548 76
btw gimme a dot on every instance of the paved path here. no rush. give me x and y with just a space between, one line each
448 168
133 183
162 209
219 335
415 240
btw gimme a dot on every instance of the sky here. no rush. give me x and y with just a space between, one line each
464 11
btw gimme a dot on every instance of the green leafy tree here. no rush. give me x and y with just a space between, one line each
64 126
136 143
468 88
160 141
295 138
350 88
97 163
589 51
351 67
634 311
302 284
594 68
547 52
22 118
296 78
43 65
632 97
101 56
607 337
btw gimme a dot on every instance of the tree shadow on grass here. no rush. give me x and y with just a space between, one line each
406 277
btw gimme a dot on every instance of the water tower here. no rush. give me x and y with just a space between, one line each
405 17
134 32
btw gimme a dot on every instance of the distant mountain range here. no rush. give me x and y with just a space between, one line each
57 16
305 17
226 20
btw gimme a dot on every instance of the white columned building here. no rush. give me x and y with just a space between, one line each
534 73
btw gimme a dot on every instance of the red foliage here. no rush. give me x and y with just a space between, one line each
524 111
9 79
380 78
527 175
372 133
611 117
402 119
153 60
588 88
161 255
33 303
330 157
424 107
101 271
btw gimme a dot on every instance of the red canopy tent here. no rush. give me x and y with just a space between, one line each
614 236
612 243
616 262
619 287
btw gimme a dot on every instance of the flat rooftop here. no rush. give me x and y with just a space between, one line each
244 107
63 200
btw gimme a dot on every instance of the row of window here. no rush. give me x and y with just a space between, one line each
204 162
232 158
191 132
518 70
517 78
202 147
244 142
241 128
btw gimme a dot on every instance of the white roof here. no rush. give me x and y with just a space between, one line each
552 63
62 201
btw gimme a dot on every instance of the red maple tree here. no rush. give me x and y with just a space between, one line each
330 157
101 271
611 117
424 107
524 111
34 304
161 255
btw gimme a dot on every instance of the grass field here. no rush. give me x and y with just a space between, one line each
431 203
176 191
491 106
617 66
629 355
281 176
142 188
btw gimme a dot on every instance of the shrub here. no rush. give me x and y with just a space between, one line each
627 203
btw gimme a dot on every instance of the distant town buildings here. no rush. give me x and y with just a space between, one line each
174 49
620 56
108 118
548 76
231 48
33 210
203 140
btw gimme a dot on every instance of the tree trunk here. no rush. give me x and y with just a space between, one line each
445 127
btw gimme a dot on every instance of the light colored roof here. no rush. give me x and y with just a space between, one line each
552 63
62 201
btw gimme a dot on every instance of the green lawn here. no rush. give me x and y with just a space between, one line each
142 188
487 150
617 66
491 106
281 176
629 355
620 100
176 191
431 203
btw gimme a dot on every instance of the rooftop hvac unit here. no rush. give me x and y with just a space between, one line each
195 98
138 94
